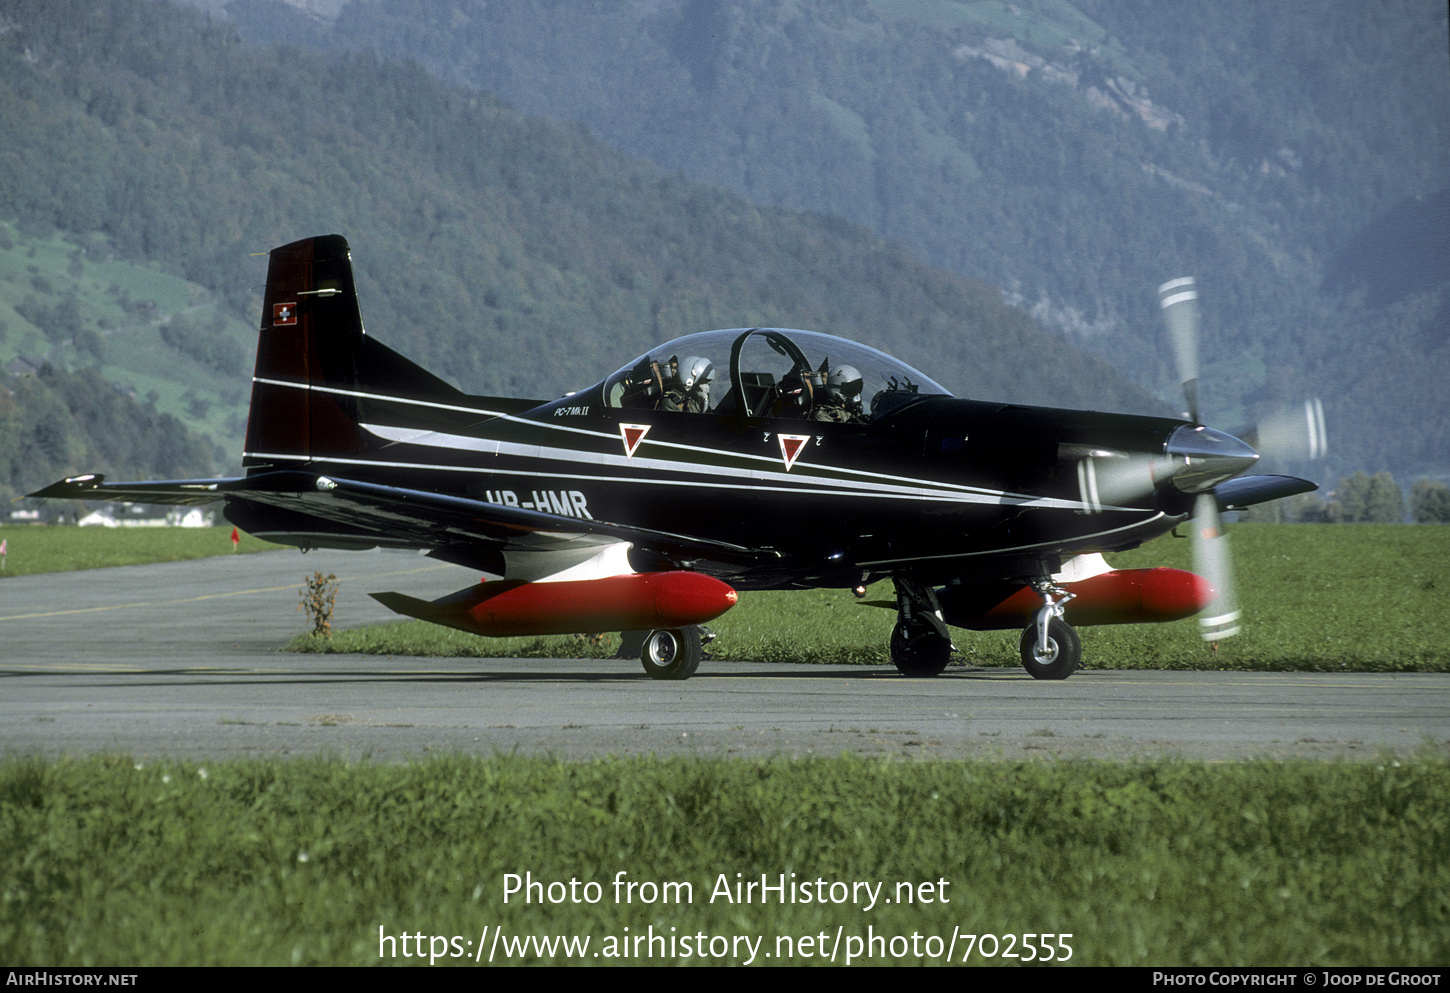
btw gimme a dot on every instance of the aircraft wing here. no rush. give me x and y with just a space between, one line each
402 517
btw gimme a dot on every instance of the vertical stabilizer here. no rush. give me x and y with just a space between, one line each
310 330
315 364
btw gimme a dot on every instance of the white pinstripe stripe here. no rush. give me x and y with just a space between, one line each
867 485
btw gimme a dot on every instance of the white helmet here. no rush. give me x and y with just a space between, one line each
845 380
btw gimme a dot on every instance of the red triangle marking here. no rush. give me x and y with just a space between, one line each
791 446
632 434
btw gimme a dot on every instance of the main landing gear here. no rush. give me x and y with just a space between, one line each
920 644
668 653
1050 648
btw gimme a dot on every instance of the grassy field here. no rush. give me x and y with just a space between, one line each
61 549
272 862
108 860
1316 597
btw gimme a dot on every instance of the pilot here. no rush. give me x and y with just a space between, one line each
840 402
683 386
687 384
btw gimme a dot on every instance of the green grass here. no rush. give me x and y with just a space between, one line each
271 862
1365 598
36 549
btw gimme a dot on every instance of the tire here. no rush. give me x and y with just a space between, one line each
922 651
1063 653
671 654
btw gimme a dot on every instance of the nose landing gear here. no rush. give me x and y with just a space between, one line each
1050 648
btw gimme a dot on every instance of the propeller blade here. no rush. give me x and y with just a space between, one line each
1179 300
1220 619
1295 434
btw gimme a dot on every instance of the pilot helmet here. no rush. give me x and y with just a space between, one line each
845 380
696 371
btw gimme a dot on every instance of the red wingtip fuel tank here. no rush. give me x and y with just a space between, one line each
635 602
1123 596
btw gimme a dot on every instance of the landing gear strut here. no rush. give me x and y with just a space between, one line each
1050 648
920 644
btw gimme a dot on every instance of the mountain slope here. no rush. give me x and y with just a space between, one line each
515 255
1075 154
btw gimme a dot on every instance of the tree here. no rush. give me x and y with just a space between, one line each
1363 498
1430 502
1385 504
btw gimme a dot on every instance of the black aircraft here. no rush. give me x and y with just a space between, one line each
748 459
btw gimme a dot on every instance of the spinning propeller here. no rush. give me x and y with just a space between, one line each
1220 619
1179 299
1286 434
1293 433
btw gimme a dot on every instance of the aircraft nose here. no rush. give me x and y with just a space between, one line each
1206 457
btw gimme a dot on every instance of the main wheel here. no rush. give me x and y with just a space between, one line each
1055 660
919 651
671 654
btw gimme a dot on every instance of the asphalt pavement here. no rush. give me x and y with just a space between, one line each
184 659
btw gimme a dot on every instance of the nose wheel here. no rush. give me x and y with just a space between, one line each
1057 658
1050 648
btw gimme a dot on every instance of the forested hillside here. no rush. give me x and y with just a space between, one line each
52 421
1292 155
512 254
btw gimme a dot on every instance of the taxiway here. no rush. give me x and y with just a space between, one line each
183 660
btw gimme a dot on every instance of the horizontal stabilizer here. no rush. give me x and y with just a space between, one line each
322 511
171 491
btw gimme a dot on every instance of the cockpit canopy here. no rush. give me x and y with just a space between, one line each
766 372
